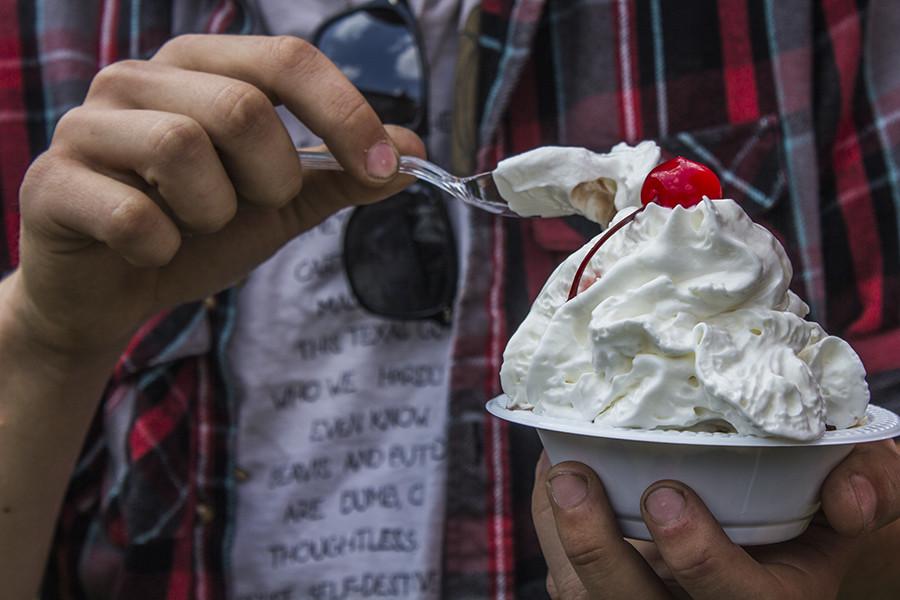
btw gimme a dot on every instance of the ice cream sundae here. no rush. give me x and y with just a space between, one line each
681 319
670 347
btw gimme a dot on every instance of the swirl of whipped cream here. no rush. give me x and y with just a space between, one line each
553 181
686 322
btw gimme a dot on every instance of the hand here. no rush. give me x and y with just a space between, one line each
691 556
176 177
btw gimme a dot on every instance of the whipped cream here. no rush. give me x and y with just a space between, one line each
685 322
555 181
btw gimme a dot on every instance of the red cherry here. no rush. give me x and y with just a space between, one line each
675 182
680 182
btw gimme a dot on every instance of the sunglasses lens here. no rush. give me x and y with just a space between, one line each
400 255
377 50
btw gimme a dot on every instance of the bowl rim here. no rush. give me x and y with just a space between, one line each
880 424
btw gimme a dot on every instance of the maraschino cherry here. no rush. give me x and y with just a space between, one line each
676 182
680 182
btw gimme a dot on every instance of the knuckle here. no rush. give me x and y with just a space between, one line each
177 138
699 566
589 558
114 77
70 123
43 170
45 165
293 54
131 219
348 108
175 45
242 109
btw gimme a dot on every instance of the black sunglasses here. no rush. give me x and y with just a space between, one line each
399 254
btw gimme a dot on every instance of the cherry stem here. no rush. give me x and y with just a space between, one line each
573 291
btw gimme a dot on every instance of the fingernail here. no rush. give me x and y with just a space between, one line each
568 490
381 161
664 505
865 497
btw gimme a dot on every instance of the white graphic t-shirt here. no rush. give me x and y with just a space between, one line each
341 444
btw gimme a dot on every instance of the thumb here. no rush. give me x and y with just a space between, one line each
862 493
590 538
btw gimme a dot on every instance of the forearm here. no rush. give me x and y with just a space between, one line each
47 400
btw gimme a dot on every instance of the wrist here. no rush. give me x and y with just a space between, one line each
25 331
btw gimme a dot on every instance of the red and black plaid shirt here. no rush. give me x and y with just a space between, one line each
795 104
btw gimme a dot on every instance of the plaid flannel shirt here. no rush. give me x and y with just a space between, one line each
795 104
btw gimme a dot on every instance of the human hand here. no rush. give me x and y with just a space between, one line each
176 177
691 556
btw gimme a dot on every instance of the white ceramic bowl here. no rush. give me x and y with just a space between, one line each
761 490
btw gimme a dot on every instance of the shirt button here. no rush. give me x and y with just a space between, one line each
205 513
241 475
210 302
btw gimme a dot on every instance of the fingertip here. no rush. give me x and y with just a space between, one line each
866 499
845 500
406 141
693 545
588 541
568 489
569 483
664 503
863 492
382 161
672 511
